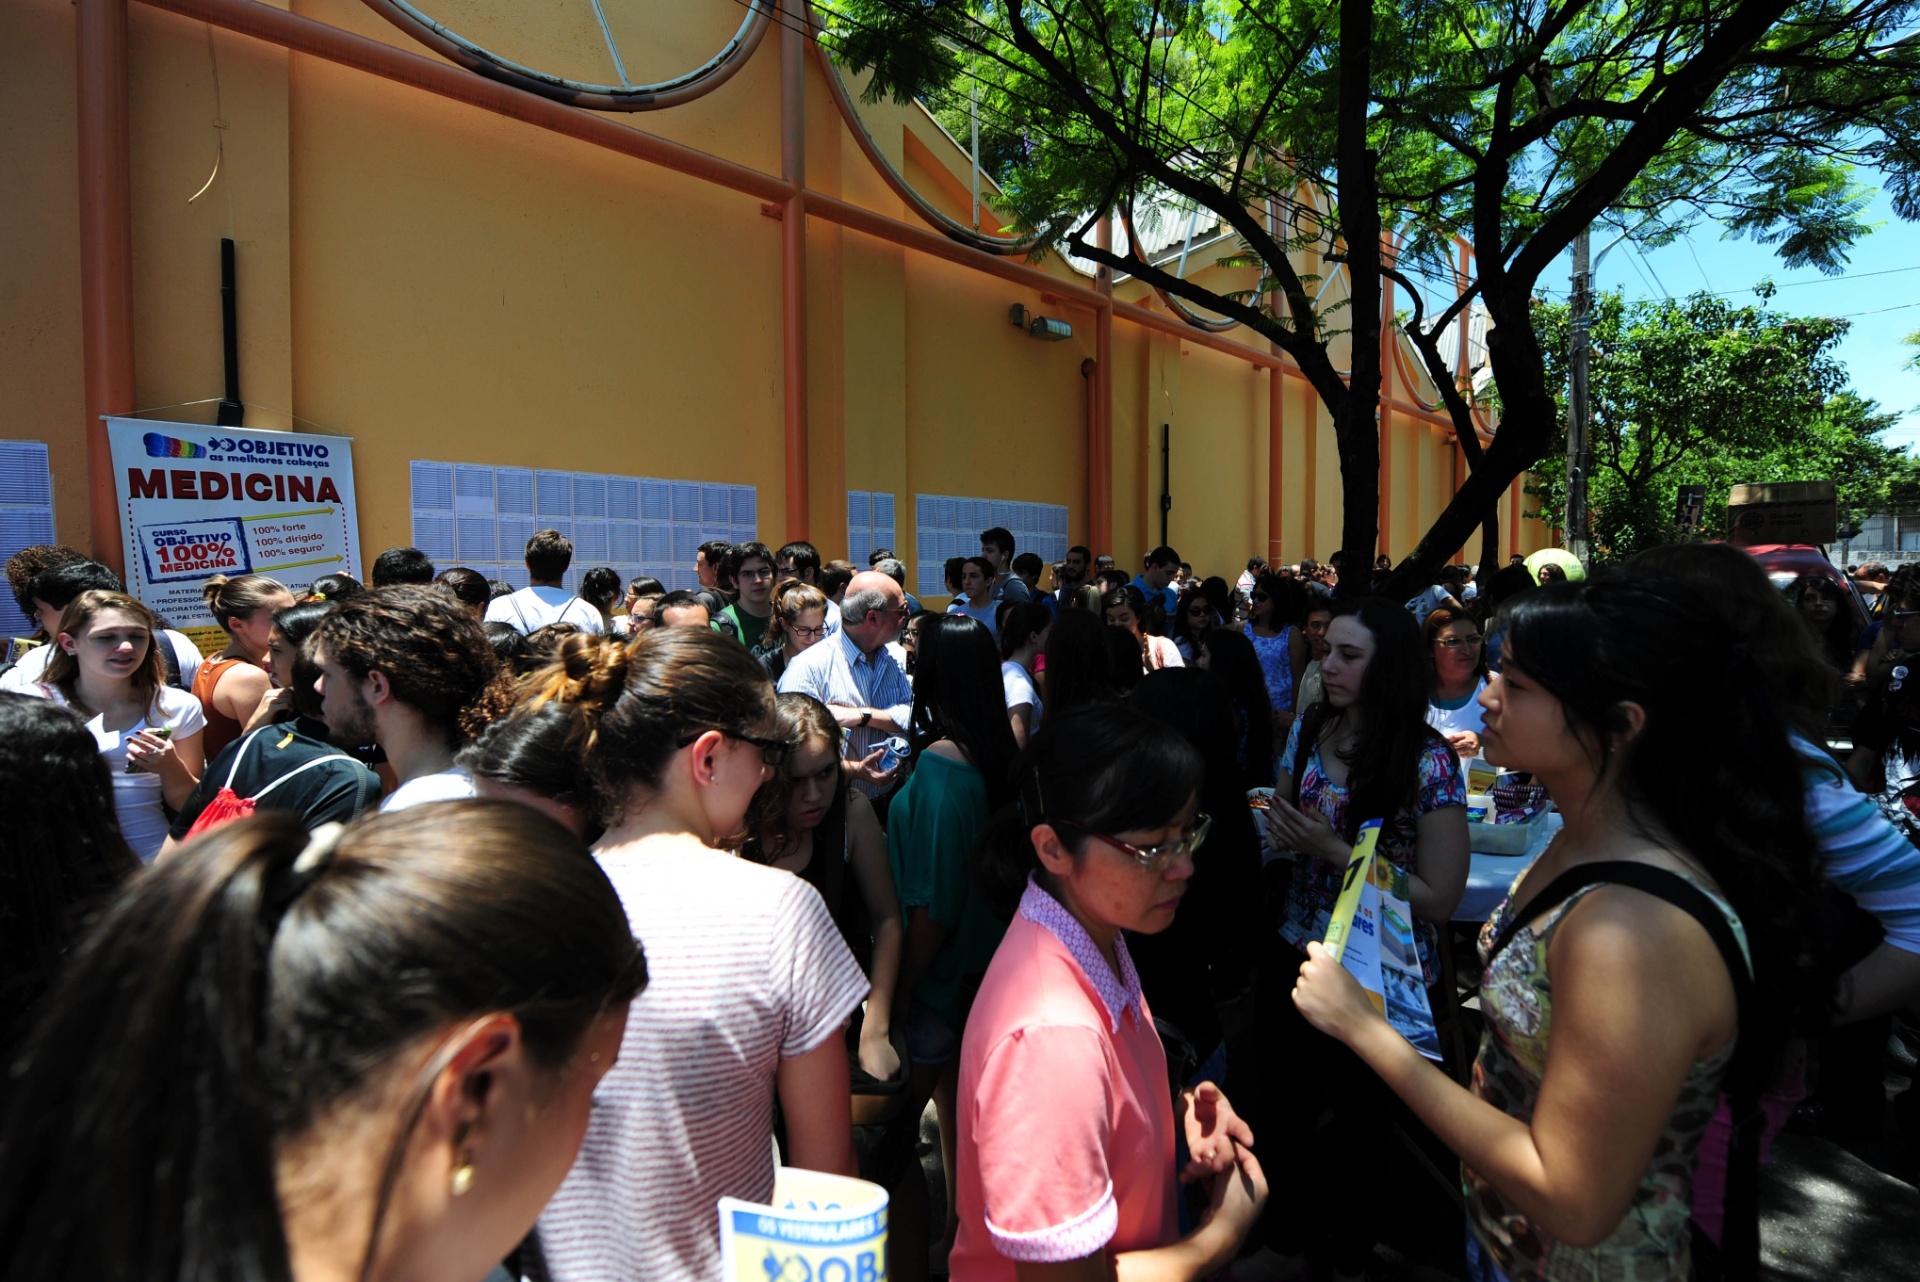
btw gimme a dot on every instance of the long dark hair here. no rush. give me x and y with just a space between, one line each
1182 631
1713 765
1103 768
1078 669
958 695
1732 584
799 718
1231 659
296 624
231 998
1837 640
61 850
1383 766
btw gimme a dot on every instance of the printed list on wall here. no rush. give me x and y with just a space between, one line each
481 517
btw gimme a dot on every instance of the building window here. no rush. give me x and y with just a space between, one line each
948 526
481 517
26 516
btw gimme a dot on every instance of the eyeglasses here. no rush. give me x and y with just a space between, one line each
1904 614
1261 596
804 633
772 751
1152 858
1460 643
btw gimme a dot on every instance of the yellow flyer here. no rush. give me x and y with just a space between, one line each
820 1228
1351 886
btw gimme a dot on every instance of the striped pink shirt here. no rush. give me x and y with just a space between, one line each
745 968
1066 1119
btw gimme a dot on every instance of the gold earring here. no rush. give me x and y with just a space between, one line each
462 1174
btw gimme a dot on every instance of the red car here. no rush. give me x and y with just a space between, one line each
1786 562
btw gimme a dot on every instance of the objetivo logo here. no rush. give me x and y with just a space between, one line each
159 446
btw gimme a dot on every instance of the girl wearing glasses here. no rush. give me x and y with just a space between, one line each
799 622
1456 659
751 982
1066 1138
1364 752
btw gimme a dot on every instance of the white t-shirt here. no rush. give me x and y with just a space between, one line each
1019 687
455 783
1469 716
531 609
25 674
745 968
1427 602
137 797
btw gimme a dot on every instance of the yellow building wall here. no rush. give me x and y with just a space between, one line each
437 281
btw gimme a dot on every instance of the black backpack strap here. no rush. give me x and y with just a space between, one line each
169 661
1739 1256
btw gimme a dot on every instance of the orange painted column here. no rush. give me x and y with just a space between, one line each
1100 460
1386 417
106 252
793 264
1276 399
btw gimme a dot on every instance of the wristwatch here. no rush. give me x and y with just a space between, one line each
866 717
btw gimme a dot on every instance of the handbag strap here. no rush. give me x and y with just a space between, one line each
1740 1236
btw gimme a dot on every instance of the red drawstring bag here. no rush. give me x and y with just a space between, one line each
227 805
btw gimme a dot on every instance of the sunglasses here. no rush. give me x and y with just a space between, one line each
772 751
1461 643
1152 858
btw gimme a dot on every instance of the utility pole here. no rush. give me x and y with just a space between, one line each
1575 533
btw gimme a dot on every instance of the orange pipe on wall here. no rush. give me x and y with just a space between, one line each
793 264
106 253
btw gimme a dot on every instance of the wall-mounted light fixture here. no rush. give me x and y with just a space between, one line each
1044 328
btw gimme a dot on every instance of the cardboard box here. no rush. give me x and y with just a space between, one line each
1782 512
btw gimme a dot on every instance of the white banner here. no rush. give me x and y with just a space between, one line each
199 501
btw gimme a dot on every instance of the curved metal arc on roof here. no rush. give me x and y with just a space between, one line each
1211 324
951 227
699 82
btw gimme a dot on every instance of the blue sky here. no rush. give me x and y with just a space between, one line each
1881 308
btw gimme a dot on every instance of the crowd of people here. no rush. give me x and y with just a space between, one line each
432 927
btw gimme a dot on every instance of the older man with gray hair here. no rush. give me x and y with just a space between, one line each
855 675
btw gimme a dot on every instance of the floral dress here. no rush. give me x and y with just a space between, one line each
1276 665
1316 884
1652 1241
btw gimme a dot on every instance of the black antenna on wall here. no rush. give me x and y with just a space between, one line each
231 412
1166 478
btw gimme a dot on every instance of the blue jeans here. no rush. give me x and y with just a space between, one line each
1480 1263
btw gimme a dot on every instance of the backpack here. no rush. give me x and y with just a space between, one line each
227 805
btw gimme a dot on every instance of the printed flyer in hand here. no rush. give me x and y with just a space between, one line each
820 1228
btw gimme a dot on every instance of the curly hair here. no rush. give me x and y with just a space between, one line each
429 647
29 561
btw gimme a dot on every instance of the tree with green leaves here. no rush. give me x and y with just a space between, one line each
1700 391
1419 122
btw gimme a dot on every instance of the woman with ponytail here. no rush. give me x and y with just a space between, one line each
279 1057
1066 1138
752 982
231 685
1658 952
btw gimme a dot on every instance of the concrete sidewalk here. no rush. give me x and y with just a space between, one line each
1825 1213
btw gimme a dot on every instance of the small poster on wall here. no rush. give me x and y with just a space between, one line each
199 501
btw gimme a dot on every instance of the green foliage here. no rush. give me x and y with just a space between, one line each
1699 391
1323 124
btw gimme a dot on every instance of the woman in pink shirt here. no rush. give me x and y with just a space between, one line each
1067 1121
